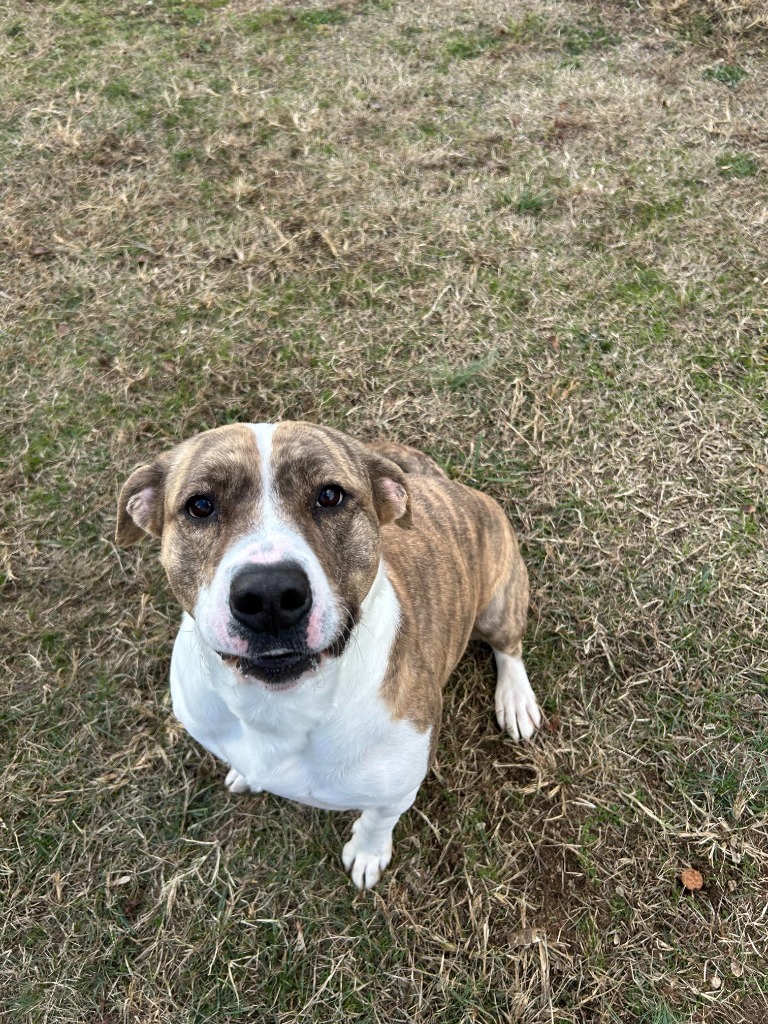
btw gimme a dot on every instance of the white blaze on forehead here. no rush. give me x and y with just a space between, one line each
264 432
274 538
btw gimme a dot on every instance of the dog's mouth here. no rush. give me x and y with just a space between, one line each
273 667
279 666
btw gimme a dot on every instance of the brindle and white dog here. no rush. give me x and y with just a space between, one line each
329 589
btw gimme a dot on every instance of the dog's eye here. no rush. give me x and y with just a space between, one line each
331 496
200 507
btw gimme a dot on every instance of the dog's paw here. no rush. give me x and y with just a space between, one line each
365 865
517 711
236 783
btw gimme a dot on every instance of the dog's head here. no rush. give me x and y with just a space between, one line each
270 536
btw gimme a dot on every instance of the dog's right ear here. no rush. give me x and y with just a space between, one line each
140 505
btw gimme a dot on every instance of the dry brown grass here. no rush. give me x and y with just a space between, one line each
743 19
532 242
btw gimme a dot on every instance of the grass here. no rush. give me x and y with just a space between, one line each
527 239
738 165
726 74
721 22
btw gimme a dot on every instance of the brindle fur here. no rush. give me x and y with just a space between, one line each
408 459
475 572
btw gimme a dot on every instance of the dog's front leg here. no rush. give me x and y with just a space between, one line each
370 849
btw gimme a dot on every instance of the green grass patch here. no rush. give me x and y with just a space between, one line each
726 74
585 36
738 165
531 28
472 44
461 378
322 16
645 212
530 202
119 90
661 1013
284 21
573 38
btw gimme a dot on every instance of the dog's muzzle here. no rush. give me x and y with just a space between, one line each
271 605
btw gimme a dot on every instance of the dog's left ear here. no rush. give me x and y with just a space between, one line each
391 494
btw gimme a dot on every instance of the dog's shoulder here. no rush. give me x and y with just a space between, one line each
444 569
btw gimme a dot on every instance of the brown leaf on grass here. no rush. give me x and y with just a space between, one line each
692 879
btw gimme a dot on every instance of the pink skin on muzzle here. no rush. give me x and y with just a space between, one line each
212 612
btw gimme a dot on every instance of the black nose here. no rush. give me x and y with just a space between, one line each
270 598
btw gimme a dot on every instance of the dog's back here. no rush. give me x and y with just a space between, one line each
408 459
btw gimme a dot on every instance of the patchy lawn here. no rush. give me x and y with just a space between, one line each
530 238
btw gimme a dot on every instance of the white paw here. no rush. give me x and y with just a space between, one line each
365 865
517 711
236 783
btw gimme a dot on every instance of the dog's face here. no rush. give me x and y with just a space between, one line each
270 536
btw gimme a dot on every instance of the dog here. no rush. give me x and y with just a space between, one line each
329 588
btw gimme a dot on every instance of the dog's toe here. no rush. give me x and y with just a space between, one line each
235 782
528 719
365 866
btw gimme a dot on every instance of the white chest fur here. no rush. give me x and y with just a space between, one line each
331 741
